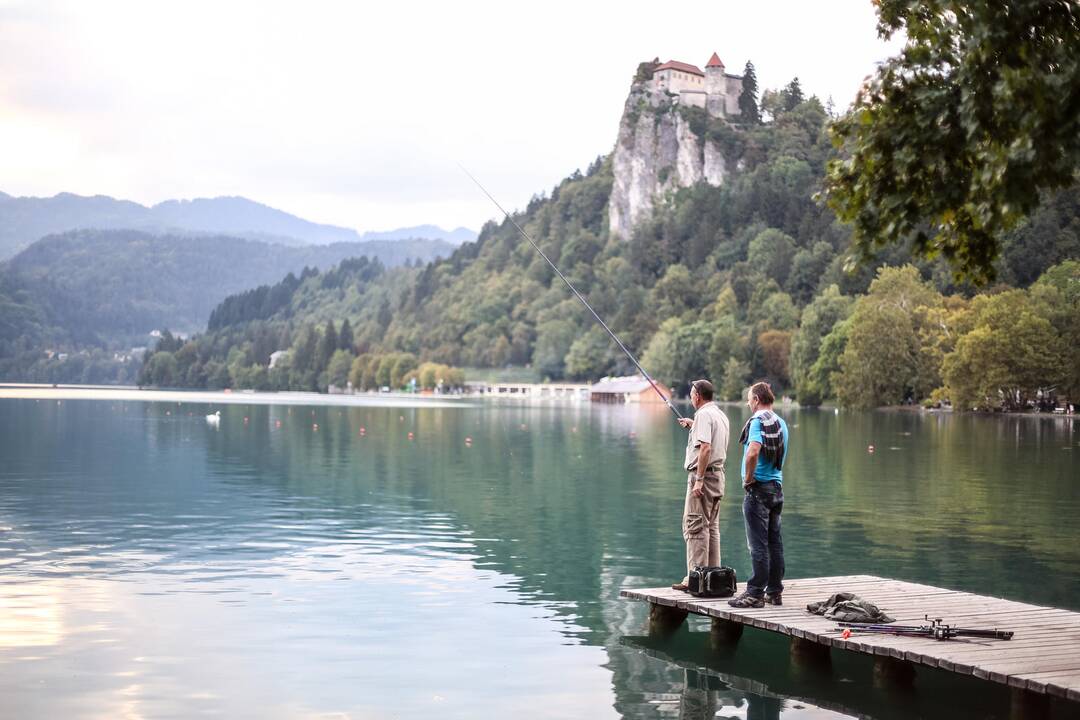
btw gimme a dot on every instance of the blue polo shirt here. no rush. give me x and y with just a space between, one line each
765 471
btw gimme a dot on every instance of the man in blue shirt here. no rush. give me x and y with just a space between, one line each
765 441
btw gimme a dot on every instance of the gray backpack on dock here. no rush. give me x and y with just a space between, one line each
712 582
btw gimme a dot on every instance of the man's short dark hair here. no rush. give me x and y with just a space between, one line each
704 388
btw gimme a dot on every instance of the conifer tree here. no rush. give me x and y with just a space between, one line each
792 94
326 347
345 337
303 354
748 106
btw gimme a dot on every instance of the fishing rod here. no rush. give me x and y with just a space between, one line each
937 629
576 294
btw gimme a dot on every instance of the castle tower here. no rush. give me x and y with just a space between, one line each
715 87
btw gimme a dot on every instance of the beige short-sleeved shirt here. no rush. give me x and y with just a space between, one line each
711 426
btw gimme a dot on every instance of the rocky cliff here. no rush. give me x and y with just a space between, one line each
661 147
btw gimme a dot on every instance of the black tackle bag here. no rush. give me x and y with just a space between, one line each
712 582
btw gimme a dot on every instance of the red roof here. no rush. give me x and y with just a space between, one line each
681 67
715 61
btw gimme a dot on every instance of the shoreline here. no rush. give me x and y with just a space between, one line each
130 393
42 391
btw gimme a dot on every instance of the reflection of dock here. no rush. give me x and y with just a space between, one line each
1043 658
763 701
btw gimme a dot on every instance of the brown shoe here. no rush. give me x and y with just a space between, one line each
774 599
682 587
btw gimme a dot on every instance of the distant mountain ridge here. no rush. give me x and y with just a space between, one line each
457 236
24 220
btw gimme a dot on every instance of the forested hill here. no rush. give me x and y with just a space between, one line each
110 288
732 282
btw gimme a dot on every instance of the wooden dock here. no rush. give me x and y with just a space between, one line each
1043 658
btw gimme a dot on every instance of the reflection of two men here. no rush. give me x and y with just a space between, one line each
705 697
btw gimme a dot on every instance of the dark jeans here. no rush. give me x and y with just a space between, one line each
761 509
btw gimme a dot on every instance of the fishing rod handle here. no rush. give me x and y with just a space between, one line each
994 634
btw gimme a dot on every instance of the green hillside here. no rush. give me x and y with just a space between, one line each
90 293
735 282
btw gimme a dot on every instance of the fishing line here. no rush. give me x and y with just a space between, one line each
576 293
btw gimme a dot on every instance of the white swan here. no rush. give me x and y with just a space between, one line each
215 418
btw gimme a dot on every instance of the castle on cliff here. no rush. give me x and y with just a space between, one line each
713 89
660 149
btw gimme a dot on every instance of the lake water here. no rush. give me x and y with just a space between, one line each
154 565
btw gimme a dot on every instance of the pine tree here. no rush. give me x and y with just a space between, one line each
792 94
345 337
385 316
748 107
326 347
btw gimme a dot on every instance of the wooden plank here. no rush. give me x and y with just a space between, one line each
988 652
1005 672
1051 683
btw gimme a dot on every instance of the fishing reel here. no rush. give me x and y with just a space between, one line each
938 629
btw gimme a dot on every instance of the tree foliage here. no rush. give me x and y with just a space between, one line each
888 356
951 142
819 319
1011 353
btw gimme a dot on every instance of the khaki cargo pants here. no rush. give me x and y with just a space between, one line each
701 529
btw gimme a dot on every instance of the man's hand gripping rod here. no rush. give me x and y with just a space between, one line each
576 294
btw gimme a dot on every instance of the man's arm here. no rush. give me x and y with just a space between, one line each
704 451
752 452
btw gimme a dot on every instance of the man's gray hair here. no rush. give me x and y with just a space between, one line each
704 388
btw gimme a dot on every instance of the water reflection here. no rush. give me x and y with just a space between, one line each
30 615
299 560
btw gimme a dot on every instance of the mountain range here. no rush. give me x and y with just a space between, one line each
457 236
23 220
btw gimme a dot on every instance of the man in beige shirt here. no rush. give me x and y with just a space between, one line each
706 449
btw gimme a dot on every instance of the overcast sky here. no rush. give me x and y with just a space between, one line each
358 113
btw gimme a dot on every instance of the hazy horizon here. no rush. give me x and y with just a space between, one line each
364 233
